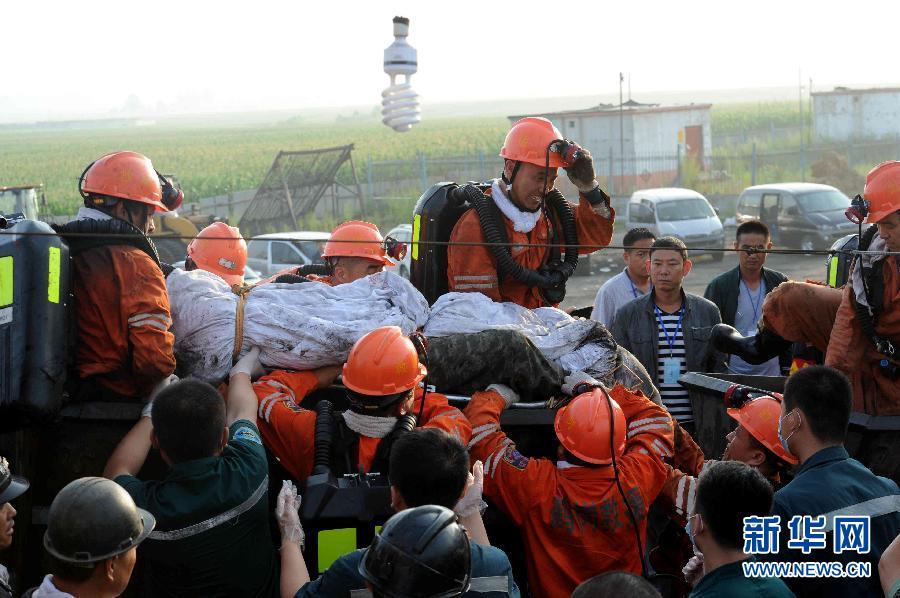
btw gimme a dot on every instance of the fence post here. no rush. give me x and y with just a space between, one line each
678 166
753 165
612 184
802 160
423 171
370 180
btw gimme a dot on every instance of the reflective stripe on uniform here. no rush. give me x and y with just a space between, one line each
212 522
874 507
661 449
482 432
477 278
156 320
268 403
647 428
476 286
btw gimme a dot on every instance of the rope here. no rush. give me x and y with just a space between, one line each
241 290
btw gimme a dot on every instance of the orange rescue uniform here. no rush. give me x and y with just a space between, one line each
826 318
574 522
472 268
123 319
288 430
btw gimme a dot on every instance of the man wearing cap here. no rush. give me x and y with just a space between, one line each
11 487
93 531
587 511
525 211
124 346
221 250
354 250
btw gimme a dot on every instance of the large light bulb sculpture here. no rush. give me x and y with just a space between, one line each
400 104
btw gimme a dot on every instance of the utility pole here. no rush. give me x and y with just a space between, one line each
800 103
621 134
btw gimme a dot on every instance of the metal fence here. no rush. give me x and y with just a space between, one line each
718 174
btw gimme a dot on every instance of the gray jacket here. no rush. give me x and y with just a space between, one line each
635 329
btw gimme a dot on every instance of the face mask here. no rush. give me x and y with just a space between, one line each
781 438
690 533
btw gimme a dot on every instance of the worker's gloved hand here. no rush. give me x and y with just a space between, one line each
509 395
581 173
471 502
249 364
693 571
575 382
148 407
287 513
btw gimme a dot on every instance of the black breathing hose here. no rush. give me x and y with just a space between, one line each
494 232
323 436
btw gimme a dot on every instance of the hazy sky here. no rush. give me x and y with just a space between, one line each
66 58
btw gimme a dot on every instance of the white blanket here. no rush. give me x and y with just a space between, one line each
310 325
296 326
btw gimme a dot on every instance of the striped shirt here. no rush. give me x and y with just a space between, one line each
674 396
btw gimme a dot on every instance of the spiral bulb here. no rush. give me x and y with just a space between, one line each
399 103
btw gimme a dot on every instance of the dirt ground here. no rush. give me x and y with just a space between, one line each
605 264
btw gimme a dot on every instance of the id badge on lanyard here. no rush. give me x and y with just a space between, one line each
671 365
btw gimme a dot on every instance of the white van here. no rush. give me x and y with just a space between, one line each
676 212
274 252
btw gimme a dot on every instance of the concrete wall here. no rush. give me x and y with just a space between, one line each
656 133
856 115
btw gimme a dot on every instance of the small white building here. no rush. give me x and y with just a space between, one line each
847 114
648 136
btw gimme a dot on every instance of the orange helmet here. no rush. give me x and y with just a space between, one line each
356 238
760 417
220 249
583 427
882 191
528 140
383 362
131 176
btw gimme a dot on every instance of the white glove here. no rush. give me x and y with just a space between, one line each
471 502
249 364
574 379
693 570
509 395
148 407
287 513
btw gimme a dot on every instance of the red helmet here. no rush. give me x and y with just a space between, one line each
583 427
528 140
383 362
882 191
760 417
356 238
220 249
129 176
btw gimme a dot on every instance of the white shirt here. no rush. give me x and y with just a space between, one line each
615 292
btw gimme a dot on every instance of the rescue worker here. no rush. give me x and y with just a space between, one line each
572 514
815 414
211 506
355 249
11 487
124 346
860 341
428 467
382 375
754 442
93 531
221 250
533 151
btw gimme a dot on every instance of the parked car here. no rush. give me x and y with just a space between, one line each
681 213
805 215
403 232
273 252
